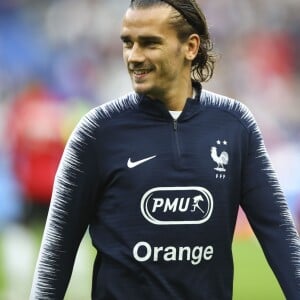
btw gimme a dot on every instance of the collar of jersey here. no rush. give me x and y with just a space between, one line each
158 109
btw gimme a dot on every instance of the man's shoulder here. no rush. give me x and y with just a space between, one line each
115 107
211 99
106 112
235 108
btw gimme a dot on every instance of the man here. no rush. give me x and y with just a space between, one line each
161 193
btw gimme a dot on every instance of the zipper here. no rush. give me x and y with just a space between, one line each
175 129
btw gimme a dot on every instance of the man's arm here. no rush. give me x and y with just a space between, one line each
269 216
74 191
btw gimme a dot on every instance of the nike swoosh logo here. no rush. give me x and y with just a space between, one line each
133 164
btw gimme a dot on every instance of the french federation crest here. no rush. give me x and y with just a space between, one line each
221 158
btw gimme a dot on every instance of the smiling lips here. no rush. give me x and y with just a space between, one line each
140 73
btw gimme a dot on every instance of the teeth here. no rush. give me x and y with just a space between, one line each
140 72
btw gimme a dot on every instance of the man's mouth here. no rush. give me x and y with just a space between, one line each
140 75
141 72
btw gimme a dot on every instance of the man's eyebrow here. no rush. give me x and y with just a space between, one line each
143 38
152 38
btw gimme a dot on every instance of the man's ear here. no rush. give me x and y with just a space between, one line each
192 46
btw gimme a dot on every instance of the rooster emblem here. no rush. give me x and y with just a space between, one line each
221 160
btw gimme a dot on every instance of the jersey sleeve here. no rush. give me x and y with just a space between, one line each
267 211
72 202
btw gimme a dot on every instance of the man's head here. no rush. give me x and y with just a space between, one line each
165 43
189 19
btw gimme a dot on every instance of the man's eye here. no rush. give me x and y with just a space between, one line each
127 44
152 42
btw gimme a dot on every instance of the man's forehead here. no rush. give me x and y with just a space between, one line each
156 15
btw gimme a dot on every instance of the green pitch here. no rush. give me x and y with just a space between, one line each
253 279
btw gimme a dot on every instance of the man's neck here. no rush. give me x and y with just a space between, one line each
176 100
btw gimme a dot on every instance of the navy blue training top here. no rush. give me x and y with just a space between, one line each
160 197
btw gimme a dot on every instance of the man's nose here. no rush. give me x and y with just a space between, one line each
136 54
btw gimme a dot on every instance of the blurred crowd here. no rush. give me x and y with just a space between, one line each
59 58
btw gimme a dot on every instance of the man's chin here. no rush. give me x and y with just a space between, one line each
140 89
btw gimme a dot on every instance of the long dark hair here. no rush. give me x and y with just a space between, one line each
187 20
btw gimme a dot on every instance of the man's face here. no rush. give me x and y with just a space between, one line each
154 56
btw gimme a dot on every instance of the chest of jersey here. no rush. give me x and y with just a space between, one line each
171 173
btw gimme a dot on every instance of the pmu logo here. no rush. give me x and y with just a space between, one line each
177 205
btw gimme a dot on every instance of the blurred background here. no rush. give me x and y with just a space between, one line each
59 58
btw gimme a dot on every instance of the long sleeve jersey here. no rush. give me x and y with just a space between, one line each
160 198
